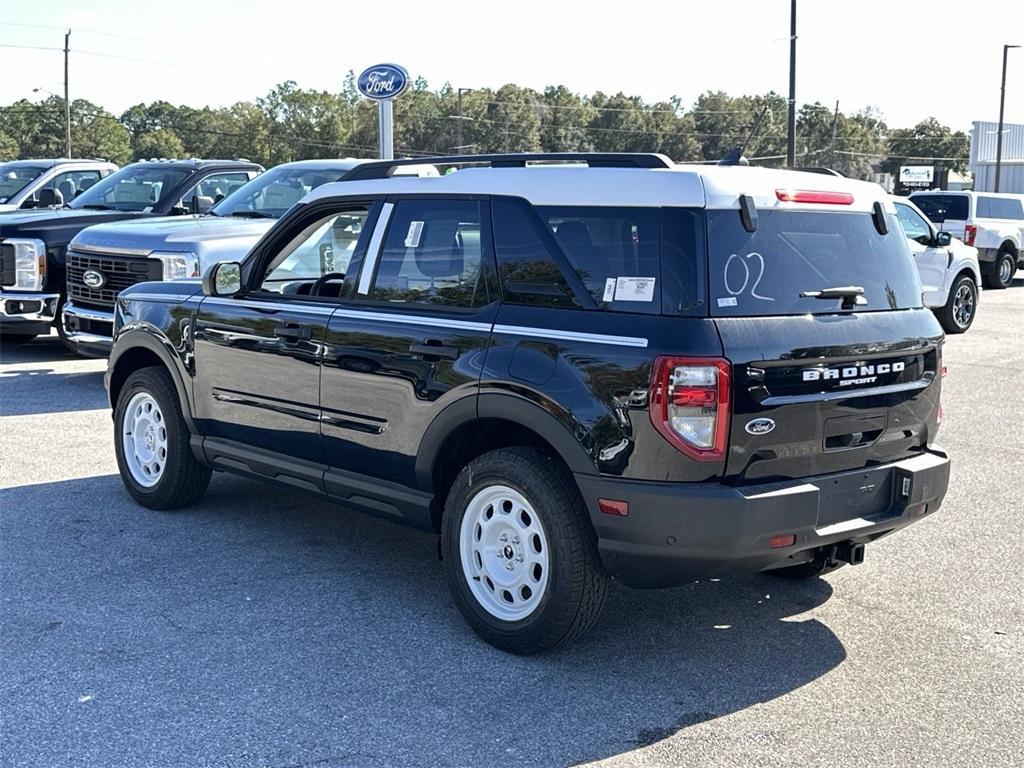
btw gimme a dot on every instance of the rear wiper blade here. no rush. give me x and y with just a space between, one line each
99 207
852 295
252 215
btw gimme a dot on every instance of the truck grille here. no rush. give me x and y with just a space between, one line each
7 272
120 272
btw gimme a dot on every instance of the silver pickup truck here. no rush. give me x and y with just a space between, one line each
105 259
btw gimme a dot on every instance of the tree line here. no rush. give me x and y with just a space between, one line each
292 123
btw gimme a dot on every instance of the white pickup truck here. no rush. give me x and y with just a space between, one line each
949 270
991 222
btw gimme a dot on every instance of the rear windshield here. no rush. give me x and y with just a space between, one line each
938 208
764 272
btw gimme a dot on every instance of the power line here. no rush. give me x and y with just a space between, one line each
89 53
86 31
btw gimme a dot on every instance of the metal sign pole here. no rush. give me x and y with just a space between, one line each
385 130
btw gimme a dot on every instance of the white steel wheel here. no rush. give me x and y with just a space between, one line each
1006 269
506 560
144 439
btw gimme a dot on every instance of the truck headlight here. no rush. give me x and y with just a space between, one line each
29 264
177 265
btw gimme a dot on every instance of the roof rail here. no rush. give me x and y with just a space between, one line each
382 169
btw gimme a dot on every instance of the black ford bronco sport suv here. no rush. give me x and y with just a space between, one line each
34 263
616 368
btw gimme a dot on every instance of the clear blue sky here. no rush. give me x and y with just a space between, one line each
908 58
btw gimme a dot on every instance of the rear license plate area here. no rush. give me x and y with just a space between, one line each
854 495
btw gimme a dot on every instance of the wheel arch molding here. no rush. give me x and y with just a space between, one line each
459 433
139 349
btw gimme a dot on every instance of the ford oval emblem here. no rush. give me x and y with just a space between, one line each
760 426
384 81
94 279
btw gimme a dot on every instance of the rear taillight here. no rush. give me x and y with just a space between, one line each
970 232
689 404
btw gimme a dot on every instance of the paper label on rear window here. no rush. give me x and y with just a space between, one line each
609 289
412 238
634 289
728 301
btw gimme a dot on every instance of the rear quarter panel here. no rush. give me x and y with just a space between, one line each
598 390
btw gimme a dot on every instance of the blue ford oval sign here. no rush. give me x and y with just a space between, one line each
760 426
384 81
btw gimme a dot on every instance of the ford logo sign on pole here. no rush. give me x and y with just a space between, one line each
383 83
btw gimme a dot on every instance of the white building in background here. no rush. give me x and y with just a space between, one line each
982 160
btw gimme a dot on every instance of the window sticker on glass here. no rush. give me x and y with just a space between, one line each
609 289
412 238
634 289
728 301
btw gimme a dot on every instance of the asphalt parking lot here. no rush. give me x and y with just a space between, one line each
265 629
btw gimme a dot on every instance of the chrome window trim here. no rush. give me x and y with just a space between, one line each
373 249
589 338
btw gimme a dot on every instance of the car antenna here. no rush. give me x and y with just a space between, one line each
735 155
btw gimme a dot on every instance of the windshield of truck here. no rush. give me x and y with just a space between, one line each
938 208
270 194
797 252
134 188
14 177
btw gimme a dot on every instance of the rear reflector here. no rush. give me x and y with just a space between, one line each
777 542
613 507
813 196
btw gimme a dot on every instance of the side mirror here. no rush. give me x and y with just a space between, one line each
943 239
223 279
30 202
50 197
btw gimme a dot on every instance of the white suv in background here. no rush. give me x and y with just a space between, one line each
949 269
991 222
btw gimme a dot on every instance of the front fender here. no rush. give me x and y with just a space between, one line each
136 345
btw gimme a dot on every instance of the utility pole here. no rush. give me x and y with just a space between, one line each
1002 104
460 147
835 122
67 103
791 133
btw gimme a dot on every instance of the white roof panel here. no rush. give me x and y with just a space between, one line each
710 186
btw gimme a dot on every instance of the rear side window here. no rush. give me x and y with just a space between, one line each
432 255
1000 208
614 251
764 272
628 259
939 208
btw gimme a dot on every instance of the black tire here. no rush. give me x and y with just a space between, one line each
809 570
183 479
961 306
1006 263
577 582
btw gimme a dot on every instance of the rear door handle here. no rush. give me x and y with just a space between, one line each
434 348
293 332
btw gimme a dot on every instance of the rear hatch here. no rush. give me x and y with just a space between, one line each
949 211
821 385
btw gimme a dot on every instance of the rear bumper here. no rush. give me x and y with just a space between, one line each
90 330
27 313
678 532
